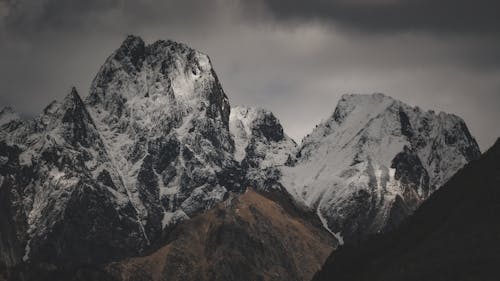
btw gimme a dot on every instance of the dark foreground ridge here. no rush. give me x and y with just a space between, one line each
455 235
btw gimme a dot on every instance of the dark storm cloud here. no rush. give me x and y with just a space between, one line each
26 17
288 56
396 15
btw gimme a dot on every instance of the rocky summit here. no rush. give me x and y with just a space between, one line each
103 177
374 161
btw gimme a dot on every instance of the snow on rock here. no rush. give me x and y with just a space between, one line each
10 124
148 147
374 161
261 146
7 115
163 115
171 218
56 164
240 122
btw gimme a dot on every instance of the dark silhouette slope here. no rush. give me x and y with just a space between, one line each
455 235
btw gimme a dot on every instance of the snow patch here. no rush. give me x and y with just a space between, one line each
323 220
27 250
170 218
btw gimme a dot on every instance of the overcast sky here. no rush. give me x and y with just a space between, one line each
293 57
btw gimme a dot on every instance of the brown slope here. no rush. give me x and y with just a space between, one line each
251 237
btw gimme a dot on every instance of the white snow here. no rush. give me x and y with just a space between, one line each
323 220
173 217
240 126
242 121
27 249
183 85
338 156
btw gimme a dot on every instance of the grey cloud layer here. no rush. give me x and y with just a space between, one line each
293 57
396 15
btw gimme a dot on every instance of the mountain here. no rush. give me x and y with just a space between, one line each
94 179
164 118
374 161
261 146
454 235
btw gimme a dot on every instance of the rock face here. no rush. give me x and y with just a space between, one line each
58 199
374 161
164 117
261 146
452 236
100 178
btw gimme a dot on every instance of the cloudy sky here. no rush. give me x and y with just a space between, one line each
293 57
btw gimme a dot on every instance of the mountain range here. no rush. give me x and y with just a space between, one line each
154 176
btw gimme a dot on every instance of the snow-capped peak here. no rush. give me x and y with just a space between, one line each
161 69
149 146
163 116
374 160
